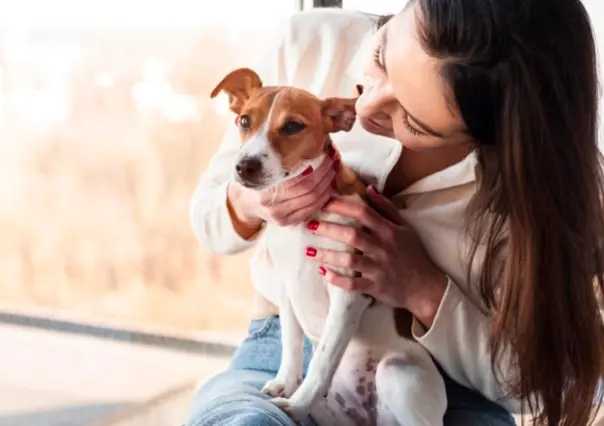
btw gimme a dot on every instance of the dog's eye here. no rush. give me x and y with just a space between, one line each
245 122
292 127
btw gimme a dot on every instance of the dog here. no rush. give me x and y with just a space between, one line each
365 368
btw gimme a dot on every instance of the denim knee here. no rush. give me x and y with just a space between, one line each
233 398
238 415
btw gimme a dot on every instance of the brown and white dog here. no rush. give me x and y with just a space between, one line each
362 370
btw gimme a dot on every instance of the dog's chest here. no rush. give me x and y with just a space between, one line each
298 275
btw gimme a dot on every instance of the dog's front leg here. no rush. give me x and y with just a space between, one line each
289 375
345 312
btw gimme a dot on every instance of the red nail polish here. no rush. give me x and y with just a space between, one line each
311 251
331 151
313 225
307 171
322 271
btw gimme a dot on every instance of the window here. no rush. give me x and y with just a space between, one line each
106 124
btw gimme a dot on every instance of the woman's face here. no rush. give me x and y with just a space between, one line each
404 95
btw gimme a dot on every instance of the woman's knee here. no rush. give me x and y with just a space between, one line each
233 398
238 415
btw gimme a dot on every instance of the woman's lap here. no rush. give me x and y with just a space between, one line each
233 397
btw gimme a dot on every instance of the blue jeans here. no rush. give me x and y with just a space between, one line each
233 397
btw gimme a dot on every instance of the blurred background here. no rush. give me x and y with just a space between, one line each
105 126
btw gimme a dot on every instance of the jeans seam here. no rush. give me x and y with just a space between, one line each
264 328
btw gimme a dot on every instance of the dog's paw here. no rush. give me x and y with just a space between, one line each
296 411
281 388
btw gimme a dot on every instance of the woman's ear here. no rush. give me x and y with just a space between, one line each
338 114
239 85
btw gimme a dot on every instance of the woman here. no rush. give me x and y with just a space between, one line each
497 235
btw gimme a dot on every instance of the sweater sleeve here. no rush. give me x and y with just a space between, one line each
459 340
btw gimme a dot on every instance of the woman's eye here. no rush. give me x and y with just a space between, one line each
292 127
409 127
245 122
377 58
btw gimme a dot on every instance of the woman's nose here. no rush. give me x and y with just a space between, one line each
375 99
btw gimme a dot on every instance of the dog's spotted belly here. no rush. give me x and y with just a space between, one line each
353 399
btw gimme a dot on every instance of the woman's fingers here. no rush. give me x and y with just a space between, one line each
364 214
305 213
349 235
300 209
359 284
299 192
314 176
342 259
384 206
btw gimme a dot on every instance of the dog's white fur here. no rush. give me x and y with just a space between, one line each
367 373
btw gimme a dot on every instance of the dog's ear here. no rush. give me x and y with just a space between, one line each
338 114
239 85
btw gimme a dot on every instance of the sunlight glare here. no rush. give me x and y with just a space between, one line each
181 108
221 105
105 79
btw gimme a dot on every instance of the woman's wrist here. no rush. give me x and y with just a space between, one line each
427 304
244 224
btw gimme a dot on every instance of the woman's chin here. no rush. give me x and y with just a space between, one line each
374 127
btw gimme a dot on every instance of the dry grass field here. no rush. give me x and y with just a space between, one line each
98 158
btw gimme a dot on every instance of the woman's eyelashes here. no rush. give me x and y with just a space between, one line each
409 127
377 58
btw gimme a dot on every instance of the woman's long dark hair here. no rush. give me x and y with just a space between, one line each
522 73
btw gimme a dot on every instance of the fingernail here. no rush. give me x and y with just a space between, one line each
313 225
322 271
311 251
307 171
373 188
331 151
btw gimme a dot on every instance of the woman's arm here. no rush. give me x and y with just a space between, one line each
395 269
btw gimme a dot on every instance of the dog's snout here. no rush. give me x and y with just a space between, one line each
249 169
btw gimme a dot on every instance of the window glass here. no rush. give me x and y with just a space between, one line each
105 126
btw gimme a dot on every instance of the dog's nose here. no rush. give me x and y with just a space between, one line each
249 168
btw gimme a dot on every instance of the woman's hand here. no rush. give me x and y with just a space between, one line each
394 266
294 201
